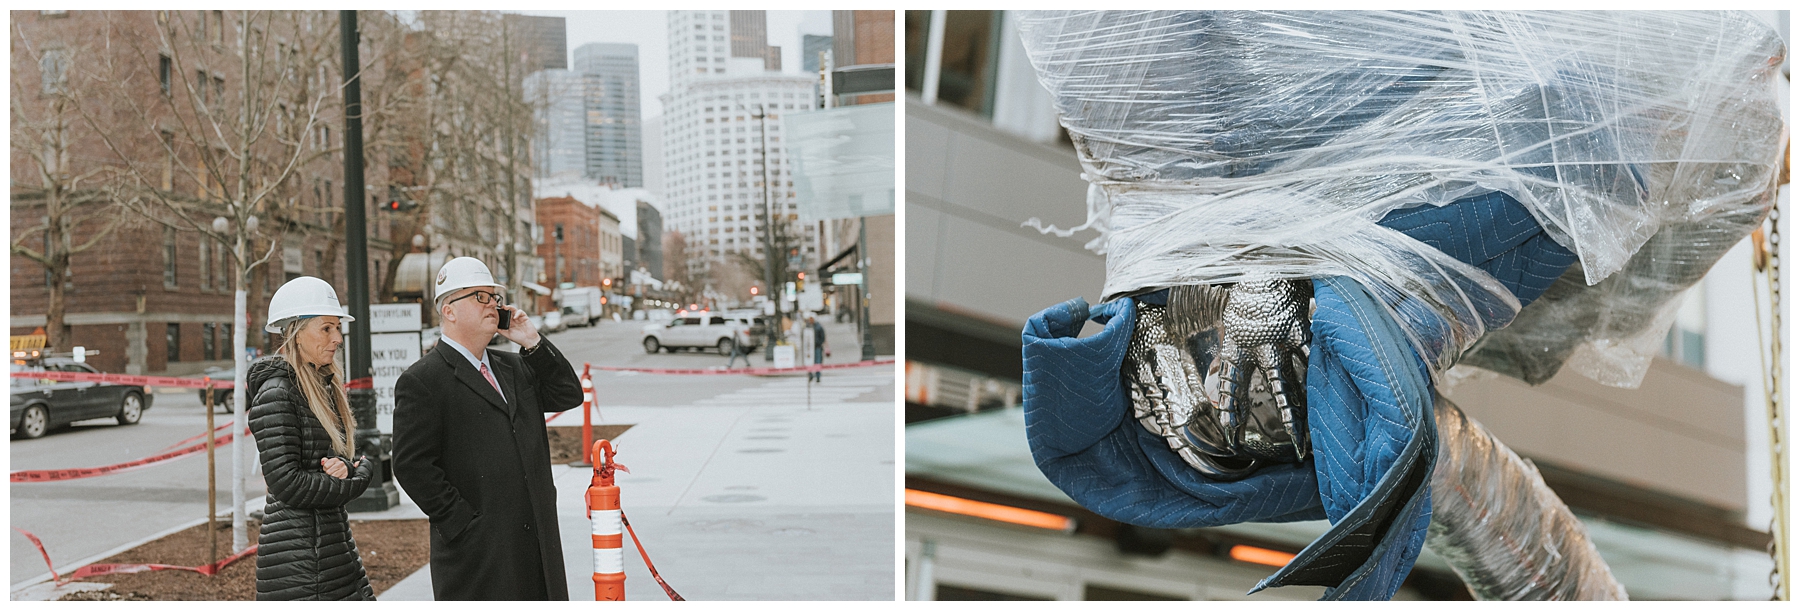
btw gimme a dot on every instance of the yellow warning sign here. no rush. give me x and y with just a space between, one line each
27 342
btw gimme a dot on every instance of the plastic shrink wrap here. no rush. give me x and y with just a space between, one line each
1225 145
1501 529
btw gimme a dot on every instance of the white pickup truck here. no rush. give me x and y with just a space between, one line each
696 330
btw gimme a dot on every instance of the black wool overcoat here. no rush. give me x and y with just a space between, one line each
305 551
479 466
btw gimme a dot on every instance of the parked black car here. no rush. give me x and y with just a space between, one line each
221 396
41 405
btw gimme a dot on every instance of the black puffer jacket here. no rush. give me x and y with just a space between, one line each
306 551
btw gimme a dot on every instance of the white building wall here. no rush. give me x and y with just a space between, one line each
712 142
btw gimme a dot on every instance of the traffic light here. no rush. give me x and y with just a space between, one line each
800 284
395 203
753 291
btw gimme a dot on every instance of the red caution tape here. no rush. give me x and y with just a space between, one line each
646 555
128 380
360 383
196 437
94 570
51 475
749 371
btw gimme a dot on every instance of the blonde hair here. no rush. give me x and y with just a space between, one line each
322 386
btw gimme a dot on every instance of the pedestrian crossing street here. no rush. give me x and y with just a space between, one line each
837 387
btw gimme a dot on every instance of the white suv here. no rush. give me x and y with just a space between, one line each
699 331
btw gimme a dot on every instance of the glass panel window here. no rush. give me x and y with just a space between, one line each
1686 342
54 66
172 337
208 347
169 257
918 28
971 51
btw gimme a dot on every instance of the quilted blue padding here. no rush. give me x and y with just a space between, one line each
1493 232
1369 412
1369 415
1077 423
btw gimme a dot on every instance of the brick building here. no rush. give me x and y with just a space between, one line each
155 296
572 242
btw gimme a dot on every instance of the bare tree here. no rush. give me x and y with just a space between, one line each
784 238
472 168
73 195
684 271
240 134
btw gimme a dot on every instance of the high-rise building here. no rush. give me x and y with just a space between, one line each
649 251
811 45
561 145
698 46
749 33
614 131
714 141
544 40
653 155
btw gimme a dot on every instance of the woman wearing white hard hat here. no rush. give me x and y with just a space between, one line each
304 436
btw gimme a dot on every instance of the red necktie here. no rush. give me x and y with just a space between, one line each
490 378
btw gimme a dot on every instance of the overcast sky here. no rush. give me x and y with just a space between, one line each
650 31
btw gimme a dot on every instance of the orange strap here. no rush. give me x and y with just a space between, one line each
647 563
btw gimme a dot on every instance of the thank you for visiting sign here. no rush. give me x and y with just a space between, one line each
391 354
393 346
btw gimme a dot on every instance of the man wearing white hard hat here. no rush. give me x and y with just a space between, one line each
471 449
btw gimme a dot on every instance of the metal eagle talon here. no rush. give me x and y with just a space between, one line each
1266 326
1191 371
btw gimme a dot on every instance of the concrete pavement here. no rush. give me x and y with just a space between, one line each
747 495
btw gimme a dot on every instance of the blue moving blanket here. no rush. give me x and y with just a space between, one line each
1369 411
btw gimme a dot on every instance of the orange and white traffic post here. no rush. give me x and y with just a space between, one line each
603 511
587 410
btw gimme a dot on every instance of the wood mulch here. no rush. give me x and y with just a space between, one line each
391 551
565 441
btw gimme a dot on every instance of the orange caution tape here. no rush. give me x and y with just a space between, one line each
95 570
51 475
127 380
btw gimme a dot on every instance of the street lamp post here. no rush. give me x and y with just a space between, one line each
380 495
773 281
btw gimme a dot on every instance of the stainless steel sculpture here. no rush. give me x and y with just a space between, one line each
1219 374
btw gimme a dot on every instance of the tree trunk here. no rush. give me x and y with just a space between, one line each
54 315
240 422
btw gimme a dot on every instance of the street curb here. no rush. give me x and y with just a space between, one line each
252 508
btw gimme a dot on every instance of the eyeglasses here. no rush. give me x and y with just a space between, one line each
482 297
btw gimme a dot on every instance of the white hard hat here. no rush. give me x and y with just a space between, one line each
461 273
303 297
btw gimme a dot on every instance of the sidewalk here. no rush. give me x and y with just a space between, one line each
747 495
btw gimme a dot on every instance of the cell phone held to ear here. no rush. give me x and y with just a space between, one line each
505 317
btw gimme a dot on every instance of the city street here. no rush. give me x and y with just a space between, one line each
740 489
77 519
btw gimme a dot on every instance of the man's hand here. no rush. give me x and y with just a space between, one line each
521 333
